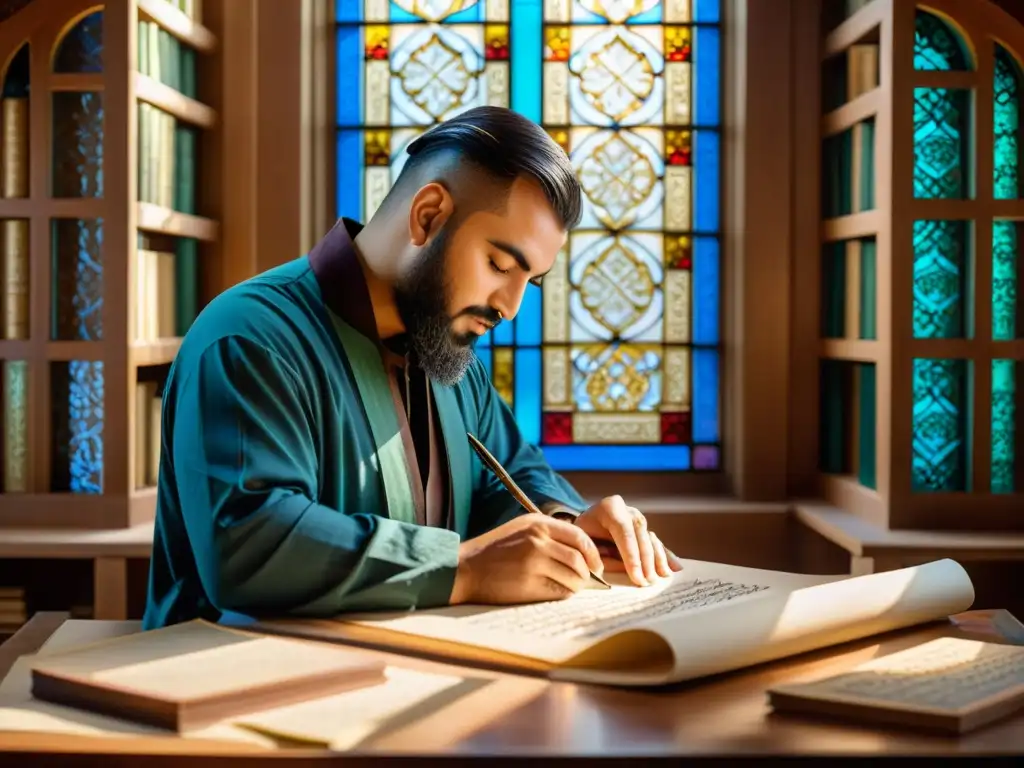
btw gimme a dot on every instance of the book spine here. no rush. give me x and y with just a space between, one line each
15 385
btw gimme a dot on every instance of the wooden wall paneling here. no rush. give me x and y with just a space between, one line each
805 266
758 150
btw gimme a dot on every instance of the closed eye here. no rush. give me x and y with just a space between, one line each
534 281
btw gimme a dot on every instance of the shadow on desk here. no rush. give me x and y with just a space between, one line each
510 715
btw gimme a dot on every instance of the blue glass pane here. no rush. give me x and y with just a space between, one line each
527 54
528 321
936 45
705 396
77 388
940 279
941 150
81 49
349 74
1004 426
431 13
706 287
707 93
651 458
77 250
484 353
939 426
706 11
503 334
1005 127
349 179
78 144
527 393
706 174
348 10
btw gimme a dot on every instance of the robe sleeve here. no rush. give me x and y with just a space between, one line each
246 470
498 431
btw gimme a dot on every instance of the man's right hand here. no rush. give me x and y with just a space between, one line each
529 559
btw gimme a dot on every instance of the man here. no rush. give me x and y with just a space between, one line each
315 456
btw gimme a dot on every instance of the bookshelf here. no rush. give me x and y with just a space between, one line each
102 232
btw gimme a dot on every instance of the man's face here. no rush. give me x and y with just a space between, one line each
467 280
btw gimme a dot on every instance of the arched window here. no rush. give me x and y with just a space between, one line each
941 170
615 363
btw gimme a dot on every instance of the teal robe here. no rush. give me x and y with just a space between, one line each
280 489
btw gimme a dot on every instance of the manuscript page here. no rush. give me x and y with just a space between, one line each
708 618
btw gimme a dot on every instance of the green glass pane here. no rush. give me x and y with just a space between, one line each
940 271
939 426
941 120
936 45
1004 421
1004 280
1005 127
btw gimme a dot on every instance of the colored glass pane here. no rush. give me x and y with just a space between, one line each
1004 426
615 362
77 247
936 45
77 387
941 124
939 425
81 48
1004 280
1005 127
940 279
78 144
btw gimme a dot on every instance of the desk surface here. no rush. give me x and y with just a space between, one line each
518 715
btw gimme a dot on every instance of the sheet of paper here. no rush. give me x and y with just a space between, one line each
344 720
557 630
196 660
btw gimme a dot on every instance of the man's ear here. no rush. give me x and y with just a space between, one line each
431 207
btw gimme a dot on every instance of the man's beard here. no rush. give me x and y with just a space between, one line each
421 297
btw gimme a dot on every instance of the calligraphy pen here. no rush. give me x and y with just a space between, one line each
511 487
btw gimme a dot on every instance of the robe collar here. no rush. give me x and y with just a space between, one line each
335 263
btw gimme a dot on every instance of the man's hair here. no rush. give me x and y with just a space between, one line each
505 145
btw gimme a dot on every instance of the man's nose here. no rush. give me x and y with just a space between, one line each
507 302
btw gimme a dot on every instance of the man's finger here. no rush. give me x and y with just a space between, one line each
624 533
643 540
660 556
570 535
568 556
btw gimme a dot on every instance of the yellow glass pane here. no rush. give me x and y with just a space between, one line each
503 373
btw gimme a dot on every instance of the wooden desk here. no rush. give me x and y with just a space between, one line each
518 715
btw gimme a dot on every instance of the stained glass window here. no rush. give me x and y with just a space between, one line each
941 268
615 363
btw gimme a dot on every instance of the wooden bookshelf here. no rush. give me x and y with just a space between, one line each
101 236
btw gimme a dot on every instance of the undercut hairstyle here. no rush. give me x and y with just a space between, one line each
505 146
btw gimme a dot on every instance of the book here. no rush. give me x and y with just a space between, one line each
951 684
706 619
190 675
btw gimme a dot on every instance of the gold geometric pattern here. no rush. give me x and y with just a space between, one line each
435 77
617 178
617 79
619 378
616 288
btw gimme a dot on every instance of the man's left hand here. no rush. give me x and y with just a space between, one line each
640 552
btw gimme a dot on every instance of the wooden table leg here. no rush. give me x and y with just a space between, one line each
110 588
